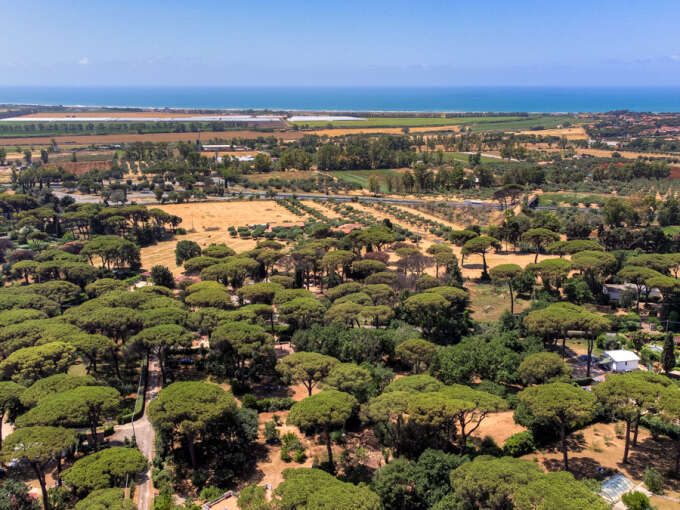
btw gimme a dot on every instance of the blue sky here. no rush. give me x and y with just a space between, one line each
290 42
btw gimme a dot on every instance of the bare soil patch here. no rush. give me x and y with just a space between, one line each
599 445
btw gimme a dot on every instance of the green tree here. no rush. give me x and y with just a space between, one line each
39 446
313 489
543 367
552 272
416 353
557 490
259 293
559 405
638 276
594 265
10 393
395 484
490 483
506 274
350 378
159 340
481 246
161 275
629 396
539 238
106 499
307 368
186 409
670 412
389 409
241 343
81 406
668 353
50 386
14 495
326 410
32 363
104 469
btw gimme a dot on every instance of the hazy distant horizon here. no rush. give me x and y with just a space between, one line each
492 43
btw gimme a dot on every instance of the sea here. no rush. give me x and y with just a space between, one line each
358 99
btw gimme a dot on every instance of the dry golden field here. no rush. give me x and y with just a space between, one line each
386 130
570 133
207 215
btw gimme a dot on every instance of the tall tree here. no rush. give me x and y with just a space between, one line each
186 409
83 406
506 274
481 246
560 405
10 392
39 446
307 368
327 409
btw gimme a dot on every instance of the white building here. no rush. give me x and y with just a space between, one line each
621 361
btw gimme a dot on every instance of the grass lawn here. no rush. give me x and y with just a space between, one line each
465 158
488 302
570 198
671 230
361 177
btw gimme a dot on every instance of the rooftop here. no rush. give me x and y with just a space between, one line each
621 355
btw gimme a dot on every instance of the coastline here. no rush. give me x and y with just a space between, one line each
336 100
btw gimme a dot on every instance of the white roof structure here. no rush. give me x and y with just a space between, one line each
619 356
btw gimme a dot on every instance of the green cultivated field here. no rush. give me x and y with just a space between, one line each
361 177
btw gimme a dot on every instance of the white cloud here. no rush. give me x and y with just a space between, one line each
84 61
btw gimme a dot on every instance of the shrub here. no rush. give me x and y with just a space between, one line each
653 480
210 492
519 444
636 501
271 433
161 275
249 400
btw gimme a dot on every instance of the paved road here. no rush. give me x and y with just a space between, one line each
139 197
146 437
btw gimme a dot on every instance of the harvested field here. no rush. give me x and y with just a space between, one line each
81 167
200 216
386 130
84 140
603 153
570 133
285 176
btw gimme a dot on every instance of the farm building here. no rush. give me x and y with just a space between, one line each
615 291
620 361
